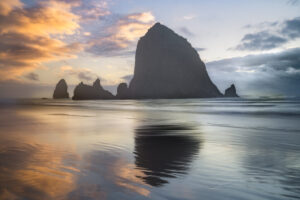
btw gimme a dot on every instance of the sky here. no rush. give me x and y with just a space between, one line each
254 44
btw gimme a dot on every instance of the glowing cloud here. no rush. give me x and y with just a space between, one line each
29 36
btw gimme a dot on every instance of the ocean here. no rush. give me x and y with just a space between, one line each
211 149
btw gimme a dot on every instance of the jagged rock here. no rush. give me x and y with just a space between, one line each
167 66
87 92
61 90
123 91
231 91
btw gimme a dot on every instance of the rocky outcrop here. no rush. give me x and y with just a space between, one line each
167 66
61 90
87 92
231 92
123 91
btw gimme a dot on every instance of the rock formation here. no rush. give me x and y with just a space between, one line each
123 91
231 91
61 90
87 92
167 66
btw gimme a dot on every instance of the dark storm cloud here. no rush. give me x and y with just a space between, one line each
277 73
291 28
275 35
261 41
32 76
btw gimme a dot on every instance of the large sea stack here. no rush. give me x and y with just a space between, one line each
61 90
167 66
87 92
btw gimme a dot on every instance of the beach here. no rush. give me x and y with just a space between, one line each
225 148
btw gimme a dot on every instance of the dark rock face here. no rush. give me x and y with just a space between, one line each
123 91
61 90
231 91
167 66
87 92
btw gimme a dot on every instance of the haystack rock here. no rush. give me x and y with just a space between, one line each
231 91
167 66
87 92
61 90
123 91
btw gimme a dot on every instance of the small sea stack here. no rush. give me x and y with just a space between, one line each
61 90
231 91
94 92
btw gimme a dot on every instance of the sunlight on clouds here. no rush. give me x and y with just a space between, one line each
42 20
6 6
27 36
128 30
145 17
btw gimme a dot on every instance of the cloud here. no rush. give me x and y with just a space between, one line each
200 49
276 35
186 32
291 28
32 76
30 36
82 74
189 17
127 78
7 6
292 2
93 10
261 41
277 73
120 35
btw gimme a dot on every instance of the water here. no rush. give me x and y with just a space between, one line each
153 149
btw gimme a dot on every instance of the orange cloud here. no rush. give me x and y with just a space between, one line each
29 36
7 6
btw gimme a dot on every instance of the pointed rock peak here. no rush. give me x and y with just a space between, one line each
62 82
97 84
97 81
231 91
157 25
159 28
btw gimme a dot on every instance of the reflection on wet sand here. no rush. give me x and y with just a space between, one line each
165 151
34 172
276 160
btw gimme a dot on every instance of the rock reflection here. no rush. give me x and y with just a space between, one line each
165 151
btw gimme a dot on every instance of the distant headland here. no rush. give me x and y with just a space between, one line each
166 67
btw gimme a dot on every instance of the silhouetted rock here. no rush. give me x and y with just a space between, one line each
61 90
167 66
87 92
123 91
231 91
